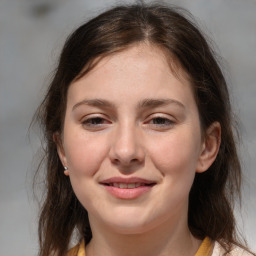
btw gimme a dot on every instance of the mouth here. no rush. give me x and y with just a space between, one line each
128 185
127 188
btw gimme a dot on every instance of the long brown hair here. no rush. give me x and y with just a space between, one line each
212 196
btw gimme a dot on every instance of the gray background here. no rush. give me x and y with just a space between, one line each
32 33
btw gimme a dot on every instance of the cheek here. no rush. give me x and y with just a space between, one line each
84 153
177 154
176 158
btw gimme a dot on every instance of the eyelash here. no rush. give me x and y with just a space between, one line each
157 122
94 121
167 122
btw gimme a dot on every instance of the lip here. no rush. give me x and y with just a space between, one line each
127 180
128 193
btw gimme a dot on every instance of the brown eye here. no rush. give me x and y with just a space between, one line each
161 121
94 121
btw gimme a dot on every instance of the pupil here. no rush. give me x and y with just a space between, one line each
159 120
96 120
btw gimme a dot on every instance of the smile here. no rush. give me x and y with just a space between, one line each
129 185
127 188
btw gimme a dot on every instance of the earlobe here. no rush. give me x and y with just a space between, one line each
61 152
210 147
66 172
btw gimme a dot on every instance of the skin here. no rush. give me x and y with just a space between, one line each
149 129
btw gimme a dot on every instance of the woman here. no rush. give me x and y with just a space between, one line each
141 157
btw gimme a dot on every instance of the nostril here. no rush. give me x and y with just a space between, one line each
116 161
124 162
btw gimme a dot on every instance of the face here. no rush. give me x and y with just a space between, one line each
132 141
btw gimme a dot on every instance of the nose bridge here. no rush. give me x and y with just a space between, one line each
126 146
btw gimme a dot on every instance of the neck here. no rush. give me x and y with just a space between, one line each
160 241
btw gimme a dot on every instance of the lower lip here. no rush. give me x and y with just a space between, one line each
127 193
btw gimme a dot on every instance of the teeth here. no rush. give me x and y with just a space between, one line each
125 185
132 185
116 185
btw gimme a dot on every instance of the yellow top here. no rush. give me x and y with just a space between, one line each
78 250
205 249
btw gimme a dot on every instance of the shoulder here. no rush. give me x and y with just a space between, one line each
78 250
218 250
73 251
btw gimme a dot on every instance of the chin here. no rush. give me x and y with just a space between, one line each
130 228
131 224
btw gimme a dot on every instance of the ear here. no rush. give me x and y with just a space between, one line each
210 147
60 149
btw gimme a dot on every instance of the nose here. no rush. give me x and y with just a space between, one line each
127 152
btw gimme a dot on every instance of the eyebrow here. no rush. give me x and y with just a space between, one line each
148 103
145 103
95 103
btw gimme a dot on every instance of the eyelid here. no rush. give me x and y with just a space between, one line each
89 117
94 115
170 119
160 115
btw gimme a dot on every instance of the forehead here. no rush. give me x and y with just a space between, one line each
140 69
137 50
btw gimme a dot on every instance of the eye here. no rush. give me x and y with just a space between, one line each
95 122
160 123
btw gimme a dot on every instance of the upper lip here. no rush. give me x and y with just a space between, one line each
127 180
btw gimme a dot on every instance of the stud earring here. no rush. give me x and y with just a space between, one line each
66 171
